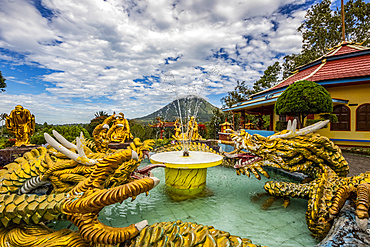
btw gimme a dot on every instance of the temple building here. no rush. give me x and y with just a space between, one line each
345 73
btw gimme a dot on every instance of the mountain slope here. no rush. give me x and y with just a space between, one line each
190 106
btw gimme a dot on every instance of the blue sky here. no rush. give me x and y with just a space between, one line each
65 60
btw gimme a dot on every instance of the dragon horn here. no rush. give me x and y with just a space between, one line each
294 126
279 136
293 133
63 141
312 128
307 127
289 127
80 148
52 142
134 156
76 157
82 136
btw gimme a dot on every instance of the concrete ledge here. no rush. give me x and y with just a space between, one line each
9 154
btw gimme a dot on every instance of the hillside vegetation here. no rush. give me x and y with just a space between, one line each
190 106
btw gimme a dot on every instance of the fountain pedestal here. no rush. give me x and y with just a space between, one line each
186 174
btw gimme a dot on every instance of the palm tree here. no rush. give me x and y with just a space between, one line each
101 113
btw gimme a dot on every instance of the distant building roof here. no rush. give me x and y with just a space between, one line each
344 61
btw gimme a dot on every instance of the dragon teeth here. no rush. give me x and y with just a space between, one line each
250 161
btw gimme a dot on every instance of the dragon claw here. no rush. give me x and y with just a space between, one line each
255 173
141 225
362 223
286 202
246 172
134 155
156 181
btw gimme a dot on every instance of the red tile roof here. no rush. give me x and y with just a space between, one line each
350 66
344 68
343 50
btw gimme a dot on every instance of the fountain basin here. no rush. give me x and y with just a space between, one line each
186 174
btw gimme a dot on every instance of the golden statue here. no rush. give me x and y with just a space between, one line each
120 130
192 132
21 123
178 134
100 135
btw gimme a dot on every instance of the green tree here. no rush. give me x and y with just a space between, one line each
101 114
357 21
70 132
303 98
214 126
138 131
322 27
2 83
241 93
270 78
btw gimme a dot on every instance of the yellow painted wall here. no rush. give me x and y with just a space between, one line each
355 94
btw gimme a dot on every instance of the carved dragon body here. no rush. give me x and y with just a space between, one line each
326 186
70 182
50 184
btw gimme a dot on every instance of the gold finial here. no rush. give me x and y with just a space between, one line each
343 25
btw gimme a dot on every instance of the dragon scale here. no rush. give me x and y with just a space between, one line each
53 183
326 185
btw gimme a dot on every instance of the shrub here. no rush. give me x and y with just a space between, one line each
303 98
70 132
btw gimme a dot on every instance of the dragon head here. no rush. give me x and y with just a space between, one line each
69 179
291 150
112 178
112 169
142 148
130 170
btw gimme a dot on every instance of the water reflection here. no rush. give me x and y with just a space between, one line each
229 203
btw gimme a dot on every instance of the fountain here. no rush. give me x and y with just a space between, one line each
98 181
186 171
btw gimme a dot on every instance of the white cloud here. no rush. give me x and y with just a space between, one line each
106 45
22 27
21 82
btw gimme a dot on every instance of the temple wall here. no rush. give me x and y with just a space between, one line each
356 96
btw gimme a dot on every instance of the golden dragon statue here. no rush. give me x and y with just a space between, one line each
68 181
326 186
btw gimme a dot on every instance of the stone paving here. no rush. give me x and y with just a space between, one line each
357 163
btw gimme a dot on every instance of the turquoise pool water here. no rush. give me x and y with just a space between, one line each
229 203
